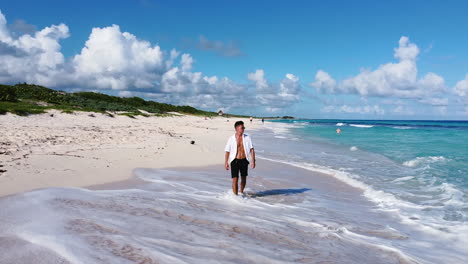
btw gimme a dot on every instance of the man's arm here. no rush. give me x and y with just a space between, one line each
226 160
227 149
252 154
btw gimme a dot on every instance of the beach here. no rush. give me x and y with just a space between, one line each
83 189
83 149
120 139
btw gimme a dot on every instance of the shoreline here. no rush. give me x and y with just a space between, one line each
325 182
77 150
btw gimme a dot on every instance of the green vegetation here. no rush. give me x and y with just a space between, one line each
7 93
20 108
24 99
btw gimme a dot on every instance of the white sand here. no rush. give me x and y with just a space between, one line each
77 150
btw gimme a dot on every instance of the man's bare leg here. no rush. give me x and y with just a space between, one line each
235 185
243 182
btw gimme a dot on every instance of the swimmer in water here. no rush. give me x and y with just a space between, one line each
338 131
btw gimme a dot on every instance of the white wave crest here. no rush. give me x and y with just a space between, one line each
423 160
403 178
363 126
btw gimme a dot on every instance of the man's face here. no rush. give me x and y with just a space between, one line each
240 129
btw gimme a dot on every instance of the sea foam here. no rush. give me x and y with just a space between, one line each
423 160
362 126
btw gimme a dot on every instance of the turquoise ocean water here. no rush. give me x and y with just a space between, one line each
424 163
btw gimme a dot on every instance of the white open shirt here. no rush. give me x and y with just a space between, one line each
231 146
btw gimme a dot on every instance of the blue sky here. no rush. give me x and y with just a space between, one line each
236 38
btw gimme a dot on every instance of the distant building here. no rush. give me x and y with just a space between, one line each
220 112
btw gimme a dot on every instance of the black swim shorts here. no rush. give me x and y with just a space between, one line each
239 165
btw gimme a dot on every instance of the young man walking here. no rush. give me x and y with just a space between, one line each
239 154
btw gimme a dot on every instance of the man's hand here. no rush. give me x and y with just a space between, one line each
226 165
252 164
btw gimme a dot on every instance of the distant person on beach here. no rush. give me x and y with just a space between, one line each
251 120
263 121
239 154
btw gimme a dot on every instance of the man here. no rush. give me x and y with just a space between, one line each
239 154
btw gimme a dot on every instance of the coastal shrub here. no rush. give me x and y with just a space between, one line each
87 101
7 93
40 93
20 108
134 101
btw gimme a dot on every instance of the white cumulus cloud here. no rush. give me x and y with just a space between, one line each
398 79
461 88
367 109
34 57
275 96
324 83
117 60
258 77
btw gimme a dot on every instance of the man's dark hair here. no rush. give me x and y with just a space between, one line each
238 123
